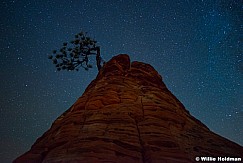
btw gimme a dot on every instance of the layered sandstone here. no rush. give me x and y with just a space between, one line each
128 115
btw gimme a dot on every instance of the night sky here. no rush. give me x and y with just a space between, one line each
196 46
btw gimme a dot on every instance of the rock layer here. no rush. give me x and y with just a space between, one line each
128 115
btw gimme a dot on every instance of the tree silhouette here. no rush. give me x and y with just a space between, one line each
77 55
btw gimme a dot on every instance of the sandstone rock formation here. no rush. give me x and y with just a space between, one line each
128 115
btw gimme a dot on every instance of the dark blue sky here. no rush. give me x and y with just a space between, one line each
195 45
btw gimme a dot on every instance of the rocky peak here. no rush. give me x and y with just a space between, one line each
121 66
128 115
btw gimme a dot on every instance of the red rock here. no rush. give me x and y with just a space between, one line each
128 115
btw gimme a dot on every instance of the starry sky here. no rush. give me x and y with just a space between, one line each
195 45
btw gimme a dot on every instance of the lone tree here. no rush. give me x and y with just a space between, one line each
72 57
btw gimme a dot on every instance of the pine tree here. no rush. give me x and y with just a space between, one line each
76 54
